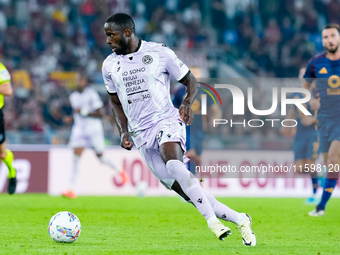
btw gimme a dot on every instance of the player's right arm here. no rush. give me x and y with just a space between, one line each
121 122
117 108
6 89
308 120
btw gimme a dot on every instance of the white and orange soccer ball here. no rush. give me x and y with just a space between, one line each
64 227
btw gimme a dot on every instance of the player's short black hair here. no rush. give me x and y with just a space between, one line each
122 20
333 25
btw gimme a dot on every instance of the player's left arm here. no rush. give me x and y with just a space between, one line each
185 110
99 113
6 88
308 120
97 104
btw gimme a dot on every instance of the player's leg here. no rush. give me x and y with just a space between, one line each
333 161
314 178
223 212
328 131
98 144
300 151
330 147
312 155
171 147
114 167
171 142
70 193
151 155
7 157
305 165
78 141
303 151
318 211
78 151
172 155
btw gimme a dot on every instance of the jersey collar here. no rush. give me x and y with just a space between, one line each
140 44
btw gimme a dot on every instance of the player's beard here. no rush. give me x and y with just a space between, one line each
332 51
123 46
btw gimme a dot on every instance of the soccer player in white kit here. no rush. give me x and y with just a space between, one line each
87 130
137 77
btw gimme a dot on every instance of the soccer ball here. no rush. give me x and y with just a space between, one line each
64 227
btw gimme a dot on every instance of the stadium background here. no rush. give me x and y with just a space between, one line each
44 43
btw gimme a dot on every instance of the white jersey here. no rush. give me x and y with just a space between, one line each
87 101
142 83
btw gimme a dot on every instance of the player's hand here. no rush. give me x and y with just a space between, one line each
308 120
67 119
314 104
125 141
287 131
186 114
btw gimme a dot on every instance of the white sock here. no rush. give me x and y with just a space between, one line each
109 163
191 188
222 211
74 172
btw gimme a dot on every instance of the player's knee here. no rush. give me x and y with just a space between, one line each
177 169
171 151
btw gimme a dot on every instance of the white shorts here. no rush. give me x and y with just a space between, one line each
88 137
169 130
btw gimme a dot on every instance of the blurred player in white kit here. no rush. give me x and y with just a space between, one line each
87 130
137 78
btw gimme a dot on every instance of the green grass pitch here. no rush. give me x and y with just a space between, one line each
164 225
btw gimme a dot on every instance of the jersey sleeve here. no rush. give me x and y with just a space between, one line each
109 84
97 103
174 65
309 75
4 74
70 98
